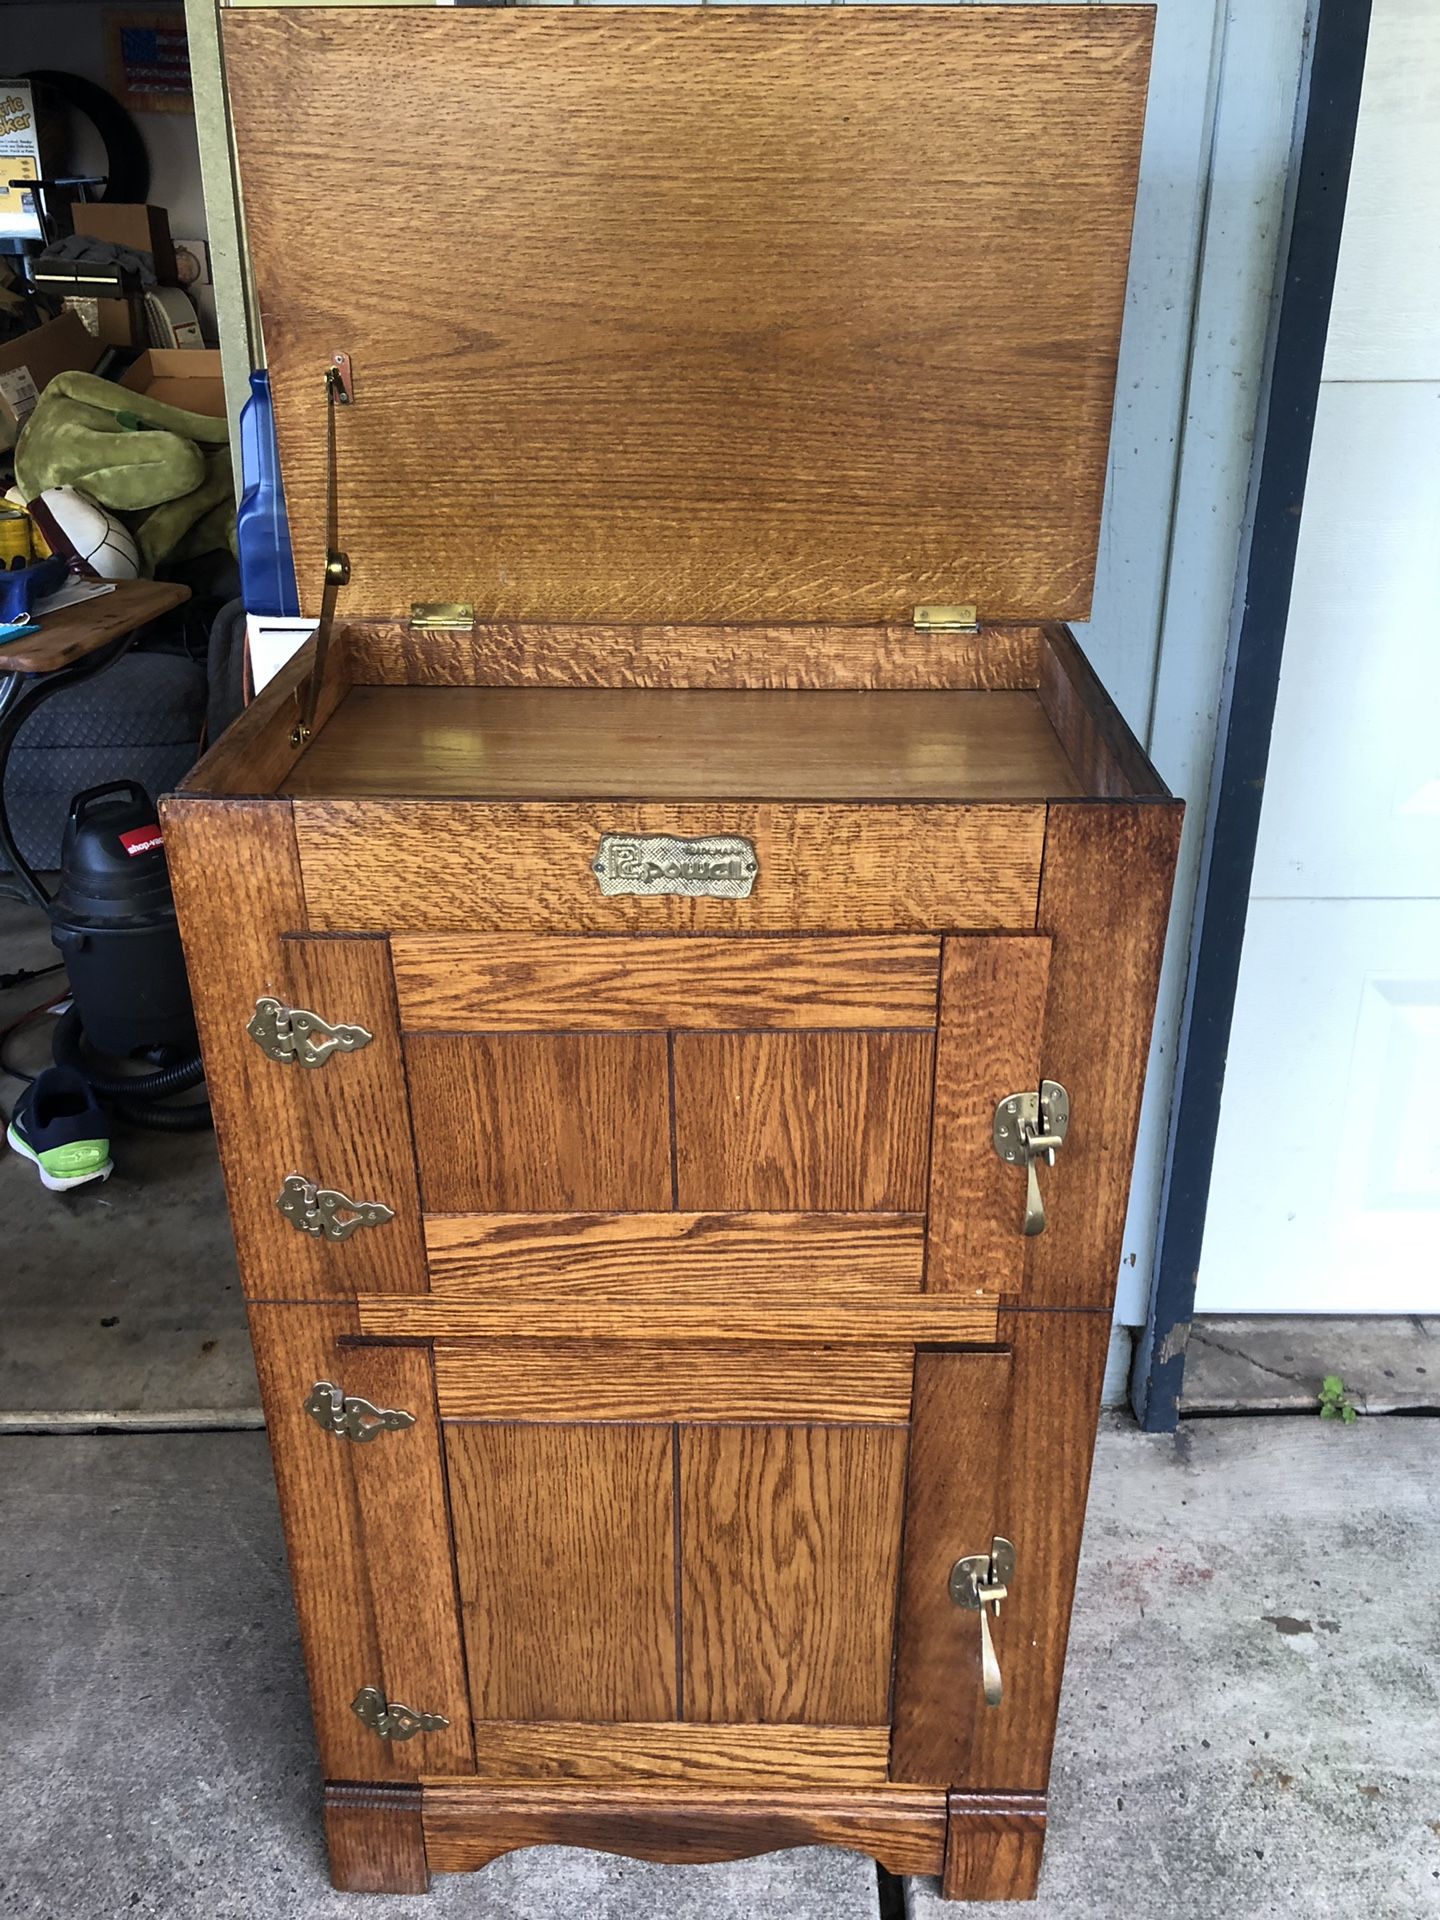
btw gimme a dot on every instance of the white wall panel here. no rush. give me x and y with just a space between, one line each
1326 1189
1385 324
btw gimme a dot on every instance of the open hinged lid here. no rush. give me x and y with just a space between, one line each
707 315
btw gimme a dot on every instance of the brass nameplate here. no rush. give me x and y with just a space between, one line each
719 866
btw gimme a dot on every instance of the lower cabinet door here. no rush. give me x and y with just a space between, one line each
712 1573
725 1597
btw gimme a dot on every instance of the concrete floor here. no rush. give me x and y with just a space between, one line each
1251 1723
121 1303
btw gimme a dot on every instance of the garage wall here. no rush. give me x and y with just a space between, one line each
1335 1049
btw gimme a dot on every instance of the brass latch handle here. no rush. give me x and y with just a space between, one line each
979 1583
1028 1128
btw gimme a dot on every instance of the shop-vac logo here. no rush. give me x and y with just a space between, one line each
721 866
141 840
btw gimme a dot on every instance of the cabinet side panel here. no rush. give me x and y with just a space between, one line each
992 1011
400 1482
789 1541
954 1505
237 892
324 1533
1043 1468
1105 901
357 1115
343 1125
565 1548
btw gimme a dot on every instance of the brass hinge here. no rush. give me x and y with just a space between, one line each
960 619
350 1416
326 1211
441 616
392 1720
296 1037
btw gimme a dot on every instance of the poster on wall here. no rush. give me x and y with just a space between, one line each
150 61
20 161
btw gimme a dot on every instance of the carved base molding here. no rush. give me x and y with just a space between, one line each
389 1839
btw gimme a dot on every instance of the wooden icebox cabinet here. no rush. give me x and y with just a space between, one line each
675 955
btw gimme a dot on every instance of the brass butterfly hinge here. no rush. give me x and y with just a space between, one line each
351 1417
296 1037
391 1719
327 1211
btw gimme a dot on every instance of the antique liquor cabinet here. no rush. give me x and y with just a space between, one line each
675 955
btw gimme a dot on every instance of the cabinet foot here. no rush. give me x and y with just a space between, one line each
993 1847
375 1837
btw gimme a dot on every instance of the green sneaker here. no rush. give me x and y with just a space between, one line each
60 1126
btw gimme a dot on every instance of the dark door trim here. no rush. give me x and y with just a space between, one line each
1252 674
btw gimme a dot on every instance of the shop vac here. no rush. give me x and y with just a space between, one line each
113 919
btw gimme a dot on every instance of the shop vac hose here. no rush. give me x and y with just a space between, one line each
132 1093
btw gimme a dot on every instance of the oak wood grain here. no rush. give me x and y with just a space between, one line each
588 743
789 1542
836 349
237 892
673 1256
691 1756
881 1318
511 982
954 1505
344 1125
76 632
470 1823
257 750
375 1838
652 1380
992 1012
392 654
467 867
1043 1476
512 1123
324 1534
998 1445
802 1121
1105 902
404 1510
1109 761
357 1126
565 1547
993 1849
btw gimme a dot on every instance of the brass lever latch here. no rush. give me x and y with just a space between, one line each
980 1582
1029 1127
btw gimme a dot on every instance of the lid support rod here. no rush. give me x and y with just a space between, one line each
337 564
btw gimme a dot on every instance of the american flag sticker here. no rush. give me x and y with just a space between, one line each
151 60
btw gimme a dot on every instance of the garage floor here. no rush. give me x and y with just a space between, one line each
1249 1725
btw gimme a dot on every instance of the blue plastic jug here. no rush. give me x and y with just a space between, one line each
267 566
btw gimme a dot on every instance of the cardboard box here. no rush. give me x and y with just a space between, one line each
29 363
147 229
186 377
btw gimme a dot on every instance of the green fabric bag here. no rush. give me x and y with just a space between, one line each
168 471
